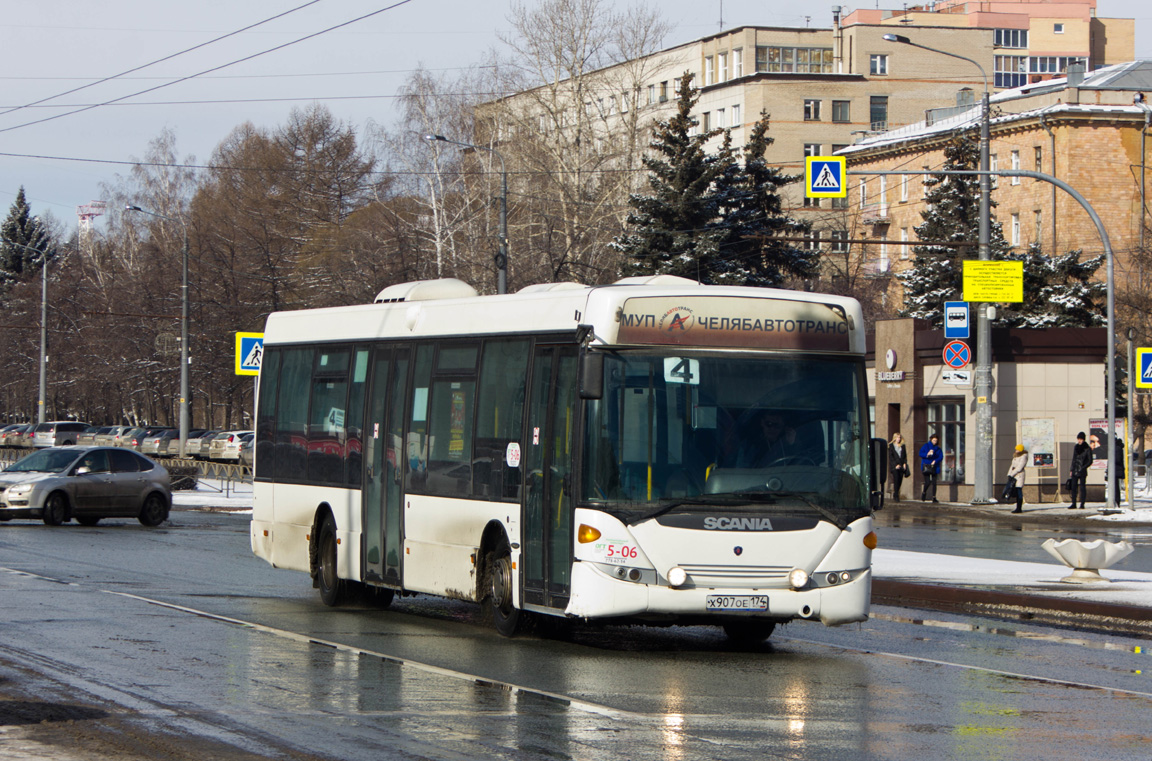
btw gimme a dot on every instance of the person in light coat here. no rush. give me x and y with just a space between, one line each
1017 470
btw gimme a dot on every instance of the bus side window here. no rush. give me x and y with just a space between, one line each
292 415
416 448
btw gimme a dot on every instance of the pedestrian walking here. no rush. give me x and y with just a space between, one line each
1119 475
930 458
1014 485
1078 474
897 463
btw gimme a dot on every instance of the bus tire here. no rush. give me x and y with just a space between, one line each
333 589
746 633
506 617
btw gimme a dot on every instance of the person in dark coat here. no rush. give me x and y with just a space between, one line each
931 456
897 463
1078 474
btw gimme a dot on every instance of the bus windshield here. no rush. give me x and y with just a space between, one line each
725 432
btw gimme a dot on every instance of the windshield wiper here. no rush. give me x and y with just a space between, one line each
728 500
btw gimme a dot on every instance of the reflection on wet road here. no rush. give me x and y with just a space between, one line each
183 631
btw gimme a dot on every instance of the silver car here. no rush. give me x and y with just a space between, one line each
85 483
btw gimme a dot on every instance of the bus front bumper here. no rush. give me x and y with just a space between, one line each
597 595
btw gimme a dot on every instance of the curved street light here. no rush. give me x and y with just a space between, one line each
502 257
183 325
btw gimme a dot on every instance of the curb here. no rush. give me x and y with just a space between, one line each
1084 615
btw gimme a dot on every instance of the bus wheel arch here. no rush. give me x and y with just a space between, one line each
322 551
496 584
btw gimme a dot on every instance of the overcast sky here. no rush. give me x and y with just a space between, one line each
53 46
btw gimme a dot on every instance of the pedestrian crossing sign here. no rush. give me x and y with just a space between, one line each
249 352
825 177
1144 368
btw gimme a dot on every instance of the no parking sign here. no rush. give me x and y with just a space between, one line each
957 355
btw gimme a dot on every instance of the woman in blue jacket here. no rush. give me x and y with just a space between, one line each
930 458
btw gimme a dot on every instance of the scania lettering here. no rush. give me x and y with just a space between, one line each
582 453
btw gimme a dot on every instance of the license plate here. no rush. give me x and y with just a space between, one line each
737 602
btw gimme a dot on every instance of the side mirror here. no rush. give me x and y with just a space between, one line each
878 471
591 375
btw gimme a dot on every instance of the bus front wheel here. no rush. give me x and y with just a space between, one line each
506 617
332 587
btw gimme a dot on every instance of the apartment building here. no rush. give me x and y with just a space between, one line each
1090 131
1034 40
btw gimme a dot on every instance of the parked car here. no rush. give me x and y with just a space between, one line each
58 433
112 437
152 443
247 444
7 431
88 438
18 436
197 448
226 446
86 483
135 437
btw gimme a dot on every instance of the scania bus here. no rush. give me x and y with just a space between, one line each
596 453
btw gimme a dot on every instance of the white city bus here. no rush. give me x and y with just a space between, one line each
597 453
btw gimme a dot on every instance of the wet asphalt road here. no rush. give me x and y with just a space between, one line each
125 642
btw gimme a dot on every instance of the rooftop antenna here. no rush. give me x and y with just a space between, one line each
807 21
721 15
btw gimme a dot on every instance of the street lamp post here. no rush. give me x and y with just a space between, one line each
183 326
502 257
982 491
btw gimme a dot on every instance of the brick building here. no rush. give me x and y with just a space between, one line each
1090 132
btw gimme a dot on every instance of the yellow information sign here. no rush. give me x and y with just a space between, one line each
994 282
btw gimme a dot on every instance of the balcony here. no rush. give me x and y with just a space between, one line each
874 214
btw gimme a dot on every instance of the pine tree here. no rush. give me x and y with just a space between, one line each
952 215
752 220
673 230
25 243
1059 292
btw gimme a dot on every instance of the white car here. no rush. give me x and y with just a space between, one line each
226 446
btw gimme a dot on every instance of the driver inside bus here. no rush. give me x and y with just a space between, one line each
769 440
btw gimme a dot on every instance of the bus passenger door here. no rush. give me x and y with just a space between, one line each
547 521
383 444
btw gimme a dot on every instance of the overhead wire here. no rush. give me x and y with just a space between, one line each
214 68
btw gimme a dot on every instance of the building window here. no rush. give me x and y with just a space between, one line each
721 118
924 183
1037 220
1057 29
812 238
737 63
706 123
772 60
709 71
878 64
651 95
1016 166
1038 155
664 91
993 165
904 238
736 117
1010 38
1010 70
839 241
1015 229
878 112
840 203
811 202
946 420
722 67
812 149
903 188
811 110
863 193
1051 64
841 111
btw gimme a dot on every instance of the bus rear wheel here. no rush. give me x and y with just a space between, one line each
332 588
506 617
749 632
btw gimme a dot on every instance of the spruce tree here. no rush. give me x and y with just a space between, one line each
673 229
752 221
1059 292
25 243
952 215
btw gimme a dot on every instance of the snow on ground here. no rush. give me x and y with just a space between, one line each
1125 587
227 496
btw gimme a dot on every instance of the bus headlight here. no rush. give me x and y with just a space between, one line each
677 577
798 578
